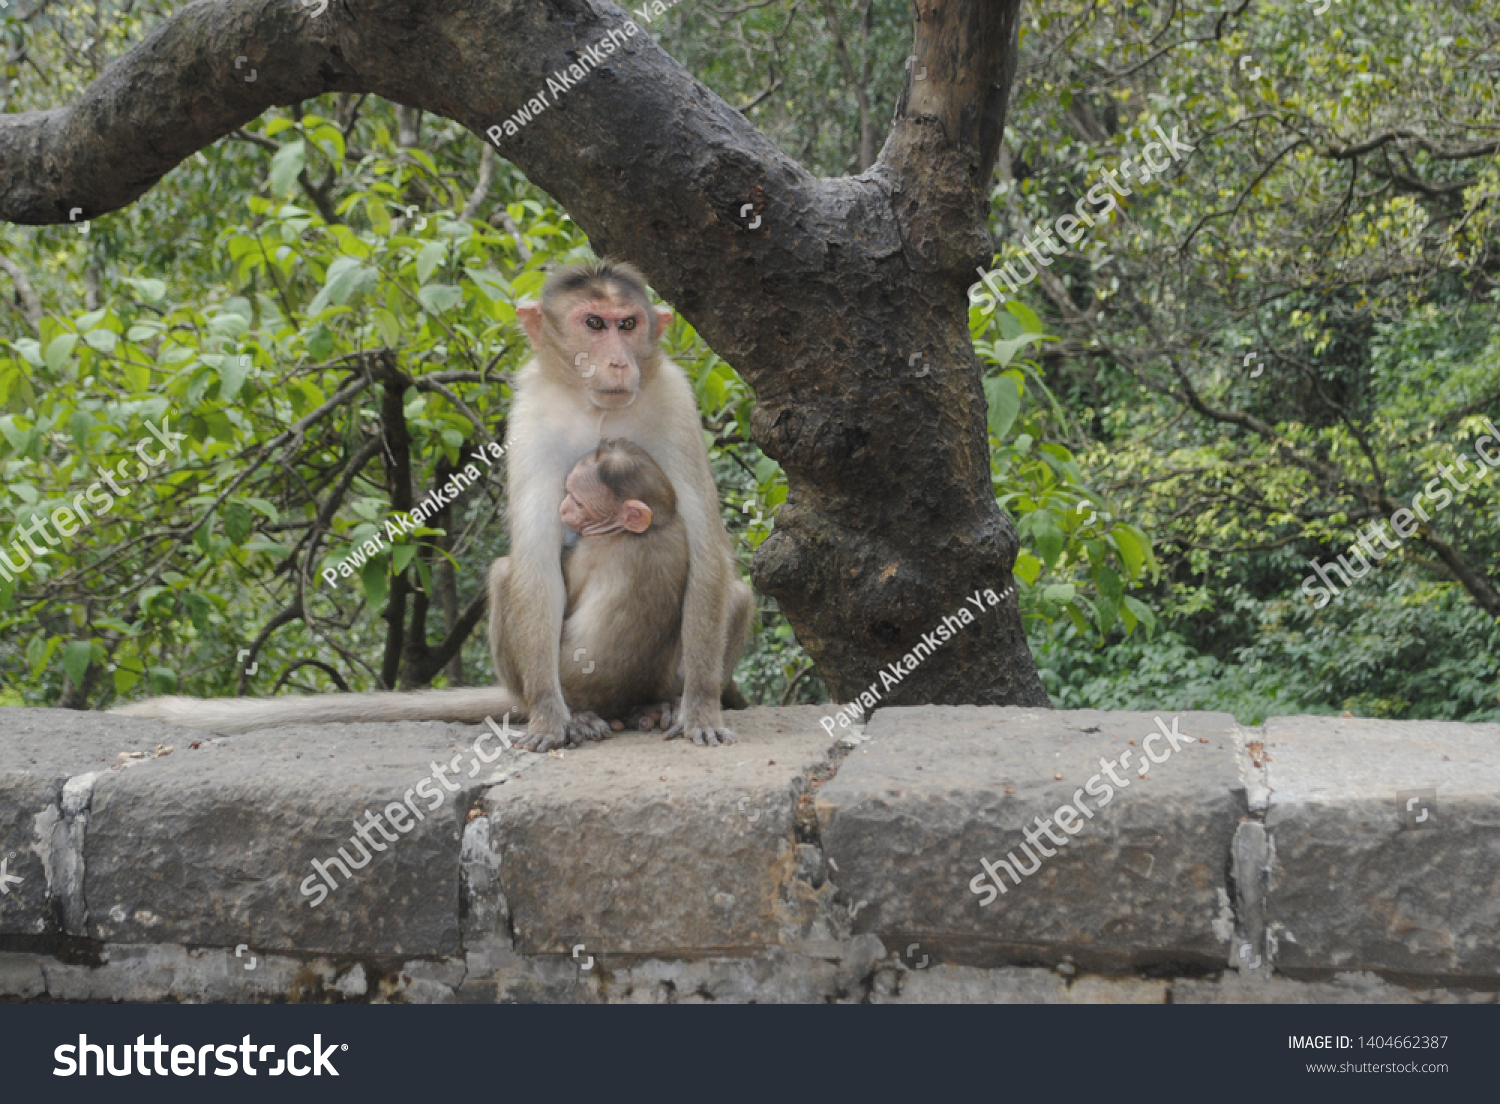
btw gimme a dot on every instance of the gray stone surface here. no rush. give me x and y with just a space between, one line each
40 750
214 845
912 812
778 870
1353 886
639 845
1017 985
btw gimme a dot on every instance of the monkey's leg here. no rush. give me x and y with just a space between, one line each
741 612
739 606
503 657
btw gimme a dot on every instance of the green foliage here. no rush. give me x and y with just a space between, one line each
259 350
1076 560
1412 652
248 300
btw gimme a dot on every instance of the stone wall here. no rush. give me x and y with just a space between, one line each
1315 859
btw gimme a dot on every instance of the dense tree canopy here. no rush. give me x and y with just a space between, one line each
1335 217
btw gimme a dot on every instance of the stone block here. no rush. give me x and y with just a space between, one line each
1358 880
639 845
1140 882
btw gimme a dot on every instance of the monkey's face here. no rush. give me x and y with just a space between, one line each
609 341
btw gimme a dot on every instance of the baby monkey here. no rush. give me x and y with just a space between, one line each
625 578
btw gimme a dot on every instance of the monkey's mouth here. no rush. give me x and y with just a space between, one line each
612 396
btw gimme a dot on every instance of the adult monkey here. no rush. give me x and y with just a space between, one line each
598 370
626 579
597 366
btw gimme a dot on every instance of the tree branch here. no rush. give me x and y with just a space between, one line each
31 303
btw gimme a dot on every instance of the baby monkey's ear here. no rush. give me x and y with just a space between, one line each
635 515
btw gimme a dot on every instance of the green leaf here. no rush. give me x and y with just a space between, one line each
58 350
380 218
79 425
103 340
372 575
236 522
1027 568
1143 613
1003 395
427 261
124 680
289 161
491 283
265 507
389 326
39 651
153 291
1106 612
1025 315
401 555
1005 351
1109 583
1131 550
437 298
1060 592
76 657
233 371
320 341
199 608
331 139
163 680
1048 537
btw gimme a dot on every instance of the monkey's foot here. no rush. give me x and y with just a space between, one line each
704 735
648 717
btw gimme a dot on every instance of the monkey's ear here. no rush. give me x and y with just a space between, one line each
663 319
635 515
530 314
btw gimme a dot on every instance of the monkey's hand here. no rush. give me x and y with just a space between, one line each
705 731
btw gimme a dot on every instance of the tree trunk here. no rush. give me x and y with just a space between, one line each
831 297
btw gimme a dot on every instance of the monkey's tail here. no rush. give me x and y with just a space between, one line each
469 705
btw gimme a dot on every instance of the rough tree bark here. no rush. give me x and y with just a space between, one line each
841 301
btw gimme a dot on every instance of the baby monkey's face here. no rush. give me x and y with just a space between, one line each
587 502
592 509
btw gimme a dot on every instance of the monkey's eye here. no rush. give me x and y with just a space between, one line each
628 324
594 322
